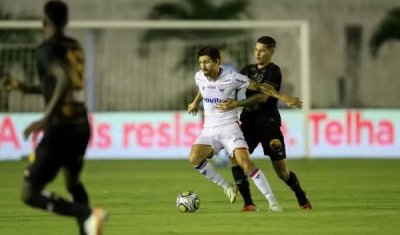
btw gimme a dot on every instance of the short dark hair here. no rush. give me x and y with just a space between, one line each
211 51
267 40
57 12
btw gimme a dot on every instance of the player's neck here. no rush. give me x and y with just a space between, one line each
260 66
54 32
214 75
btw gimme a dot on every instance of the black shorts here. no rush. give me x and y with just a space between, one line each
59 147
270 136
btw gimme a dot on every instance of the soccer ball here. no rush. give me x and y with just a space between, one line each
188 201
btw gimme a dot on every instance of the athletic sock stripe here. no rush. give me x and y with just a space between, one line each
201 165
253 172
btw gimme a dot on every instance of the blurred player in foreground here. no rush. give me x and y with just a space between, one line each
221 129
65 123
261 123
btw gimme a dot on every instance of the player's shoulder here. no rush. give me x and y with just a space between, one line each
229 76
199 76
274 67
61 42
71 42
248 68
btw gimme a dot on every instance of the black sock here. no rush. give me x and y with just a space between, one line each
242 182
294 184
54 203
79 195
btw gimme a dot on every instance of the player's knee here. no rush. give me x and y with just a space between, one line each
199 153
194 159
247 166
243 159
233 162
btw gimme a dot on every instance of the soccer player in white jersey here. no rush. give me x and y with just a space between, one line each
221 129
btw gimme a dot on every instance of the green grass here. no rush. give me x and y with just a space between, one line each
348 196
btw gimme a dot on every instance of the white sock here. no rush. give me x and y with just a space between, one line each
207 169
262 184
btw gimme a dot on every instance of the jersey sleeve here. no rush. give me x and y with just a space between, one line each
275 79
240 81
196 78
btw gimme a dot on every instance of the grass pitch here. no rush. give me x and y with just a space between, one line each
348 196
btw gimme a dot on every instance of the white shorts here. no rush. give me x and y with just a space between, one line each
228 137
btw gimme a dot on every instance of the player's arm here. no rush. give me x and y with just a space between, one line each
198 98
269 90
31 89
229 104
193 107
60 72
252 100
266 89
10 84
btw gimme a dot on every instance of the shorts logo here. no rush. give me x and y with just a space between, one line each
239 138
260 78
275 145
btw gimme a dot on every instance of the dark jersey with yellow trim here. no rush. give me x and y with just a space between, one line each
270 74
68 53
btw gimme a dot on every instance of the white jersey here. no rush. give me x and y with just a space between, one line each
224 86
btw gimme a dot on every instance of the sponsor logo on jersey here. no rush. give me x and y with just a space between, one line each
241 81
211 87
212 100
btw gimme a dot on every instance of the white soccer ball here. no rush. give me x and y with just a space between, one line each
188 201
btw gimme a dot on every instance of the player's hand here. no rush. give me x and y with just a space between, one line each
193 108
34 128
10 84
227 105
293 102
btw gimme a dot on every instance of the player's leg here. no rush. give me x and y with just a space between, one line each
241 178
237 147
242 156
274 147
243 185
205 147
76 190
42 171
73 168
